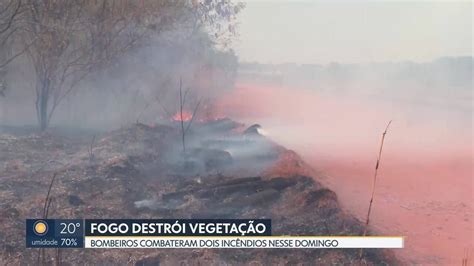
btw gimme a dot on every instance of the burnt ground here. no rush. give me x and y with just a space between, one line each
142 172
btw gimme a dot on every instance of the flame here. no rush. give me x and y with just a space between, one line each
185 117
206 113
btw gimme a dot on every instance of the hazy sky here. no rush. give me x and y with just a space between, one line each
353 31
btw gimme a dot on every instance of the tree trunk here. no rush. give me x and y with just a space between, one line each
42 105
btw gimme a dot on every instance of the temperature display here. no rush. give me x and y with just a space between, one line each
54 233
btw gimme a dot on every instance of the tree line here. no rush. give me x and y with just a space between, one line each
64 42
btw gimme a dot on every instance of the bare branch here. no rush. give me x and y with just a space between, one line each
193 115
12 17
379 157
8 61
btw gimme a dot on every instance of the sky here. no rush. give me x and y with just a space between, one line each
279 31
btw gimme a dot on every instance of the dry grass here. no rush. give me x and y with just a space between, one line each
379 157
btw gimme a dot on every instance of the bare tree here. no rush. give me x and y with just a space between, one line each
75 38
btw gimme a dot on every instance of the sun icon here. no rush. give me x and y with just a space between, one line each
40 228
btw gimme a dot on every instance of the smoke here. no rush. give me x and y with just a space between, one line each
347 114
141 85
334 116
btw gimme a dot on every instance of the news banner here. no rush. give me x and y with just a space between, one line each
183 233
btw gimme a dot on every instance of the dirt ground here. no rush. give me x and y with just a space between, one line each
139 172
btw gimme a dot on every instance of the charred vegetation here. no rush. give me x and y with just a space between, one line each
133 175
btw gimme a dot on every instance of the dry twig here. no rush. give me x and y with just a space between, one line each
182 100
466 257
379 157
47 204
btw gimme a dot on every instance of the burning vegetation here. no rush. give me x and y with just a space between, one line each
141 172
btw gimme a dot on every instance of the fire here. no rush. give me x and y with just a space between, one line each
185 117
206 113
